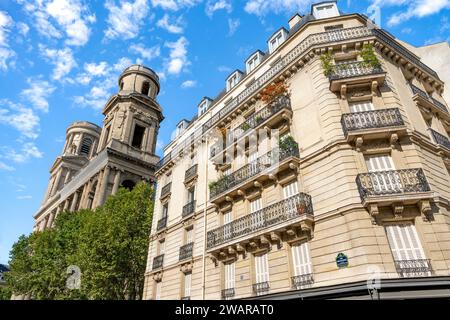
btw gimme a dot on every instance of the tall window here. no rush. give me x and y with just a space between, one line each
187 284
361 106
189 235
290 190
232 81
380 163
86 146
145 88
262 268
202 108
229 275
162 246
228 231
158 287
301 259
165 210
191 194
138 136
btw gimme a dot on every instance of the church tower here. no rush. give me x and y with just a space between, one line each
96 161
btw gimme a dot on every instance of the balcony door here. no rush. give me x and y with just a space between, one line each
289 191
302 264
253 165
229 275
407 250
361 106
187 285
383 177
257 215
191 195
262 270
227 227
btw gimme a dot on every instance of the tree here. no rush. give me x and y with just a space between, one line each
109 246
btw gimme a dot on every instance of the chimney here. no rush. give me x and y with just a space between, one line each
294 20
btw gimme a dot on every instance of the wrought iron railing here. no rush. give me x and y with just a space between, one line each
261 287
426 96
191 172
300 281
162 223
188 209
284 210
413 268
252 169
158 262
299 50
353 69
252 122
440 139
228 293
371 119
166 189
391 182
186 251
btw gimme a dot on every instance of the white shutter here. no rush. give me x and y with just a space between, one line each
383 182
252 158
380 163
290 190
404 242
187 284
255 205
262 268
227 218
257 219
162 247
301 259
189 235
361 106
158 290
229 275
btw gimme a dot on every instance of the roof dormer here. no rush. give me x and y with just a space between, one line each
327 9
277 39
234 79
253 61
204 105
181 127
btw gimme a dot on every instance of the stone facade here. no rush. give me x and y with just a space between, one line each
96 161
362 169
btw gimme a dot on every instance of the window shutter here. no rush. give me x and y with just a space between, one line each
262 268
290 190
255 205
361 106
187 284
162 247
158 290
380 163
229 275
189 235
404 242
301 259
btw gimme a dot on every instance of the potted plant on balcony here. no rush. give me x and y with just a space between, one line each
287 143
273 91
301 207
369 57
327 66
245 126
258 119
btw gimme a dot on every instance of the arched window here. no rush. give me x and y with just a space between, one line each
145 88
85 146
121 85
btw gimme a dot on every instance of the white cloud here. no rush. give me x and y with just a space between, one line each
172 27
233 24
27 197
213 6
63 61
263 7
53 18
20 118
96 69
28 151
5 167
175 4
224 69
145 53
23 28
6 53
38 93
122 63
178 56
125 20
189 84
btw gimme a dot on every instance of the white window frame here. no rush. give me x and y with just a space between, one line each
277 39
290 189
253 61
230 272
187 284
361 106
189 235
262 268
301 259
233 79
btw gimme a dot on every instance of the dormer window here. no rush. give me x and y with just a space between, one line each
204 105
325 10
233 79
181 126
254 60
277 39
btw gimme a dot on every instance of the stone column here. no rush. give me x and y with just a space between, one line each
74 202
66 204
51 217
150 139
84 195
68 176
103 187
81 142
116 181
57 181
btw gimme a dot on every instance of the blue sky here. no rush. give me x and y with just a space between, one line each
60 59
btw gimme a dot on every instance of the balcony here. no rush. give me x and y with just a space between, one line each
423 99
396 188
301 281
261 288
413 268
190 173
353 73
297 209
188 209
158 262
271 115
162 223
376 124
186 251
228 293
441 140
165 191
245 176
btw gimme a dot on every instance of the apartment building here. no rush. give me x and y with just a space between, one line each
321 171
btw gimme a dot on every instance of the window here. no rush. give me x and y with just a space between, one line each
138 136
165 210
227 228
334 27
405 245
189 235
162 246
229 275
145 88
257 217
301 259
233 81
361 106
382 182
191 195
121 85
158 287
203 107
254 61
187 284
379 163
251 159
275 43
262 269
322 11
290 190
86 146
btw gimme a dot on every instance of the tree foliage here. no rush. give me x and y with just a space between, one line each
108 245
